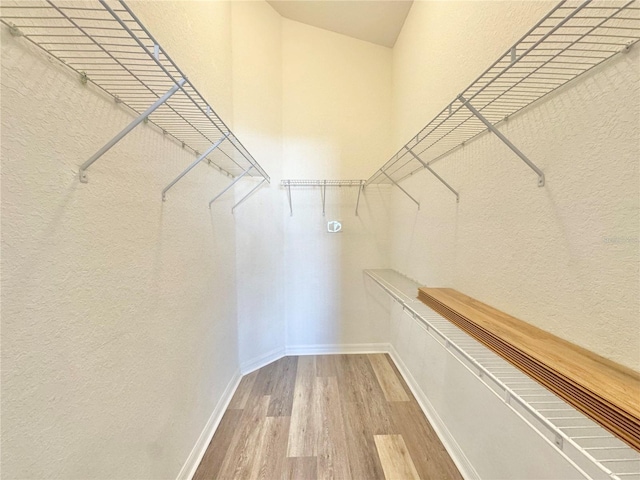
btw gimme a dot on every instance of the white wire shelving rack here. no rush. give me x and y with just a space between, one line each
591 448
322 184
106 45
574 37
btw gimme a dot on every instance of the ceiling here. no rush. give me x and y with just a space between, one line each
375 21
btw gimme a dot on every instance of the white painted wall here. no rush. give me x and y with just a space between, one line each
118 333
257 105
564 257
336 121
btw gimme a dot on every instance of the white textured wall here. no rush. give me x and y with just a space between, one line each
257 104
563 257
119 326
336 120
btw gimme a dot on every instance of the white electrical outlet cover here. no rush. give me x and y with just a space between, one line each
334 226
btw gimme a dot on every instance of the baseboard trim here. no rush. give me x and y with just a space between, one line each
265 359
337 348
195 457
453 449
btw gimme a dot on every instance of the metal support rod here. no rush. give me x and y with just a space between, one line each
426 165
289 194
190 167
128 128
235 180
405 192
359 191
504 139
248 194
324 195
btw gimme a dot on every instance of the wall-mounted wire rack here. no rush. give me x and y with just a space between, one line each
106 45
322 184
591 448
573 38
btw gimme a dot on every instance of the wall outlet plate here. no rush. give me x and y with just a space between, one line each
334 226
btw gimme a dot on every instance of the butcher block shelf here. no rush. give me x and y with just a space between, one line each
605 391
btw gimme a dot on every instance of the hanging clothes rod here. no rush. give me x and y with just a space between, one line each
108 47
322 184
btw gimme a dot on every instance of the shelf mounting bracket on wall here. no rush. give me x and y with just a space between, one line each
426 165
235 180
128 128
288 185
254 189
504 139
323 192
190 167
360 188
405 192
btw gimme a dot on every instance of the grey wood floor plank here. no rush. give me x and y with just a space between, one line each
282 392
333 459
217 450
270 455
305 417
301 468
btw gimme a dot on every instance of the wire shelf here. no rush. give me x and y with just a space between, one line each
322 183
590 447
570 40
106 45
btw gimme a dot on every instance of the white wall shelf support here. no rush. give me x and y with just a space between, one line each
251 192
360 188
235 180
426 165
405 192
128 128
190 167
504 139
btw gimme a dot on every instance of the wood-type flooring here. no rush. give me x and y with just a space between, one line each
325 417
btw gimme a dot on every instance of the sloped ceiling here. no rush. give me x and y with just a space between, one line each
374 21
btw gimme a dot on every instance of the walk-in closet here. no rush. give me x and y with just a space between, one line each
320 239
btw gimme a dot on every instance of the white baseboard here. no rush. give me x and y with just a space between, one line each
199 449
265 359
453 449
337 348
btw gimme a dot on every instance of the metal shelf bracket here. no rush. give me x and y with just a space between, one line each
360 189
251 192
190 167
324 196
235 180
128 128
288 185
426 165
504 139
405 192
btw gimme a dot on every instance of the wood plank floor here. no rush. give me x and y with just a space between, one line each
325 417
